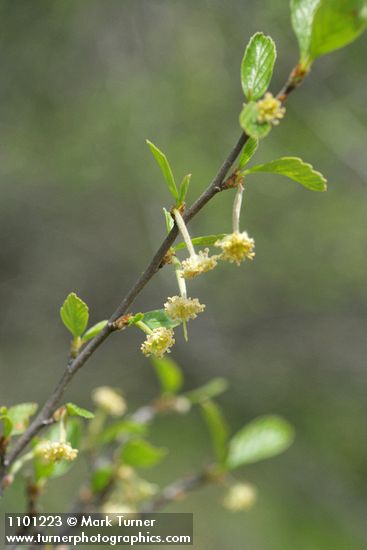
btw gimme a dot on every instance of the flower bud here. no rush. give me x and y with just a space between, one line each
109 400
241 496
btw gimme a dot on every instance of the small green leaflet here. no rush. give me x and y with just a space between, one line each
248 152
257 66
212 389
208 240
141 454
165 168
42 470
218 428
250 124
169 220
159 318
75 410
184 187
295 169
19 416
322 26
262 438
94 330
169 374
7 423
74 314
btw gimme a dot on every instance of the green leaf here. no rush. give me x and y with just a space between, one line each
169 374
218 428
295 169
42 470
141 454
257 66
250 124
165 168
322 26
122 427
212 389
208 240
94 330
19 416
101 478
74 410
74 314
159 318
262 438
337 23
184 187
169 220
248 152
302 14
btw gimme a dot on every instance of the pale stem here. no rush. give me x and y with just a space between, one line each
180 280
185 234
237 203
144 327
183 291
62 432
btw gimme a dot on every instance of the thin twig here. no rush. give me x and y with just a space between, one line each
217 185
72 368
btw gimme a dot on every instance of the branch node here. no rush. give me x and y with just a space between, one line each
122 322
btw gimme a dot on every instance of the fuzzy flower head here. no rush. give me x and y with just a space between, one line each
241 496
197 264
236 247
270 109
158 342
183 309
54 451
109 400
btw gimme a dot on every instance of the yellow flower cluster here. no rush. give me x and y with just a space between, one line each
198 264
54 451
183 309
109 400
236 247
158 342
270 109
241 496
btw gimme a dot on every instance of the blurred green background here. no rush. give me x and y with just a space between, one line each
83 84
